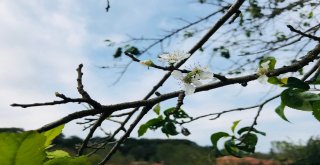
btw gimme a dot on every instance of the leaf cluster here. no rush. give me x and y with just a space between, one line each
238 144
167 122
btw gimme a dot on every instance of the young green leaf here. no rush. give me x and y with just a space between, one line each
274 80
25 148
250 140
156 109
235 123
152 124
280 111
51 134
142 129
57 154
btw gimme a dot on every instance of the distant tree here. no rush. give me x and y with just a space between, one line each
269 40
298 154
14 130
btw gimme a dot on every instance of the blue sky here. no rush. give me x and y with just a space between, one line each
42 43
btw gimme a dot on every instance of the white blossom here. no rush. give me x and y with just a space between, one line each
192 79
174 57
261 71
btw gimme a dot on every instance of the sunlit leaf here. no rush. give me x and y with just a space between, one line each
156 109
57 154
235 123
51 134
25 148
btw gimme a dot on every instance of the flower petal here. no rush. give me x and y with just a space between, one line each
189 89
177 75
265 65
196 82
263 79
205 75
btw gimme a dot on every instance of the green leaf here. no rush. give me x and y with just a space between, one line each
316 110
178 114
310 15
57 154
232 149
152 124
51 134
142 129
25 148
156 109
250 141
280 111
169 111
118 53
235 123
169 129
274 80
297 83
297 99
246 129
133 50
214 140
272 62
69 161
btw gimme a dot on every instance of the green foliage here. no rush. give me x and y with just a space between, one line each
280 111
296 96
166 121
214 140
118 53
170 152
235 123
52 134
29 148
297 83
151 124
57 154
246 129
297 99
25 148
156 109
237 145
297 154
132 50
